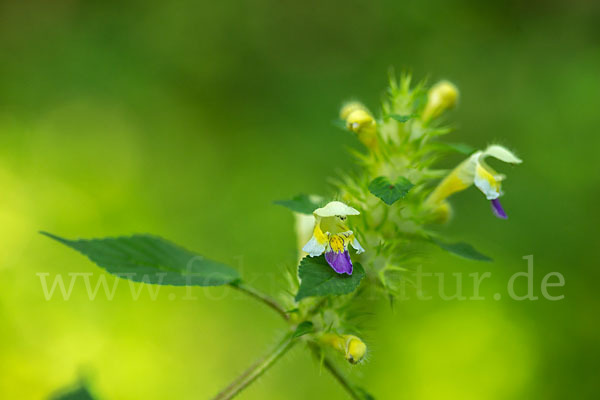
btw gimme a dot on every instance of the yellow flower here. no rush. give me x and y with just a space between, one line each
332 236
474 170
360 121
442 96
350 346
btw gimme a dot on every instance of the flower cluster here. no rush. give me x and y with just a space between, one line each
399 195
394 204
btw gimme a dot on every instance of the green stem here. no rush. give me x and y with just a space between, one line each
317 306
256 370
242 287
337 374
259 367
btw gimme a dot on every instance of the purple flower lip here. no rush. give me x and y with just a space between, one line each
498 210
340 262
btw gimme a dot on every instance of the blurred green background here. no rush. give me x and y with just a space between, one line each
186 119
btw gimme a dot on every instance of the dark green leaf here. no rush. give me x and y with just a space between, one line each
401 118
390 192
301 203
319 279
151 259
463 250
303 328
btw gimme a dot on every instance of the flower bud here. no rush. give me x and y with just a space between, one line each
348 108
361 122
305 225
441 97
350 346
359 119
441 213
355 349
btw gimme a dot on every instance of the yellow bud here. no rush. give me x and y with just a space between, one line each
441 213
359 119
348 108
355 349
441 97
361 122
350 346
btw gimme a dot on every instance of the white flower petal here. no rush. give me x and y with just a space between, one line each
335 208
485 182
313 247
359 249
502 154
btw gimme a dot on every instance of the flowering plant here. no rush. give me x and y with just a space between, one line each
352 246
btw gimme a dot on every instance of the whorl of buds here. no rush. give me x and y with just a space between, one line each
360 121
441 97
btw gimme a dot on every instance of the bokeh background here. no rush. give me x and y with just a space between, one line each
187 119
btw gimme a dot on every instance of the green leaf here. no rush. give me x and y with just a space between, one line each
420 100
340 123
401 118
365 395
77 392
151 259
458 147
462 249
390 192
302 203
303 328
319 279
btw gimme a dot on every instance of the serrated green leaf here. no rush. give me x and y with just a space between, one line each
303 328
151 259
462 249
302 203
390 192
319 279
401 118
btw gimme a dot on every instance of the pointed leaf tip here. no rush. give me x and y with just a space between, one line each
463 250
303 328
151 259
302 203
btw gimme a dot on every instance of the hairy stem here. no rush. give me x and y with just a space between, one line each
241 286
337 374
260 366
256 370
